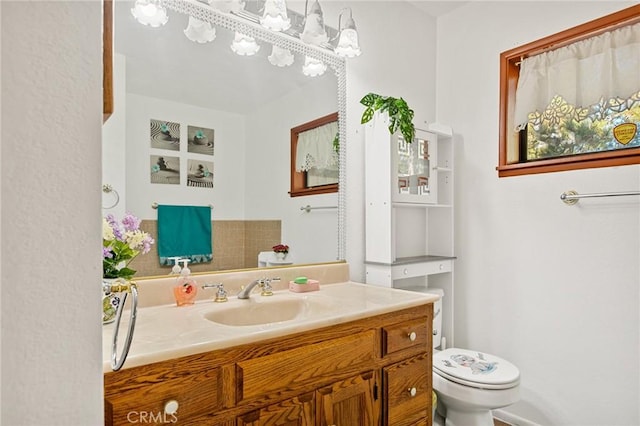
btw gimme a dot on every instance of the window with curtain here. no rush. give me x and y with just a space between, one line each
572 100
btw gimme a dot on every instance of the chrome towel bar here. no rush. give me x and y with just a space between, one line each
308 208
155 206
571 197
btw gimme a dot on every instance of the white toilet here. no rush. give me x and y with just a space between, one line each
469 384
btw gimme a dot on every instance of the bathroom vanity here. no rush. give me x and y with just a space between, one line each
352 354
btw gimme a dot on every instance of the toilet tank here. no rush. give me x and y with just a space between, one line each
437 317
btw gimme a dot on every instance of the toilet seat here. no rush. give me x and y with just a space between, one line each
475 369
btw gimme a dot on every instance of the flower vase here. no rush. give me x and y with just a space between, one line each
280 255
110 301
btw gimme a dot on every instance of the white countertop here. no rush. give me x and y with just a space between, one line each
168 331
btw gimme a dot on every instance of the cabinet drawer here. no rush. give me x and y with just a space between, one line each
305 365
420 269
406 335
195 395
407 391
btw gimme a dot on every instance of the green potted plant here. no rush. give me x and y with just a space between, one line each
400 115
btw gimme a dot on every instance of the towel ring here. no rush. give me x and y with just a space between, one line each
108 189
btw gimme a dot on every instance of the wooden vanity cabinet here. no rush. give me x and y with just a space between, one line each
374 371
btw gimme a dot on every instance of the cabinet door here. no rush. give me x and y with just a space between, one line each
407 391
351 402
413 167
298 411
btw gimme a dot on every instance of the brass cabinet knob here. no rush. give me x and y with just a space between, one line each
412 336
413 391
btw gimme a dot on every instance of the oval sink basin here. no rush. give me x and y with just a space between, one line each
252 312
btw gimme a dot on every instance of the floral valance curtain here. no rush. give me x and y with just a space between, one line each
315 148
584 73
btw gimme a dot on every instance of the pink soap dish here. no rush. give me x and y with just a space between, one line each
311 285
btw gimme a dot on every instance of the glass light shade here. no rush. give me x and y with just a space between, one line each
244 45
314 32
227 6
348 43
280 57
149 12
199 31
313 67
275 16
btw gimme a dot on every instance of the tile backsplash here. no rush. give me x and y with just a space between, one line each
236 244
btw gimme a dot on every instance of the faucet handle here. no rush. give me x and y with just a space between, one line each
221 294
267 290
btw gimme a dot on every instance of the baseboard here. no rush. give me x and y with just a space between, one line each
512 419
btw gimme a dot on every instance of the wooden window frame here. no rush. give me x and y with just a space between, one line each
509 74
107 59
299 179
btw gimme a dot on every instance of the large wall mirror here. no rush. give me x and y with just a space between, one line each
246 108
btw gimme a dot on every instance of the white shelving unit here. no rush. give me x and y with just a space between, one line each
409 212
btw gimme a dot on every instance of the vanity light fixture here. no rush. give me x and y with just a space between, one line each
150 12
314 31
244 45
275 16
324 44
348 45
280 57
227 6
199 31
313 67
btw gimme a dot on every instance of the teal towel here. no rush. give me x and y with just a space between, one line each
184 231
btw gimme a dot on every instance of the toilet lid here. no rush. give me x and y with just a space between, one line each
477 369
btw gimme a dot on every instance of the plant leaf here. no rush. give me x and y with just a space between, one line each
393 109
367 115
393 124
368 99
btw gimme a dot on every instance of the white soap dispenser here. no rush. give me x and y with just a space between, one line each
185 290
176 267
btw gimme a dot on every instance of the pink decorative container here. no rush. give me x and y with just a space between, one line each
311 285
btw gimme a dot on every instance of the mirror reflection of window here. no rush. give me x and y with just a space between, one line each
314 157
317 156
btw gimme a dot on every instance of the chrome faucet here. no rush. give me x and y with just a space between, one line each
265 285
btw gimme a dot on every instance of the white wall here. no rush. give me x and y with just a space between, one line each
228 158
550 287
51 121
114 137
313 236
